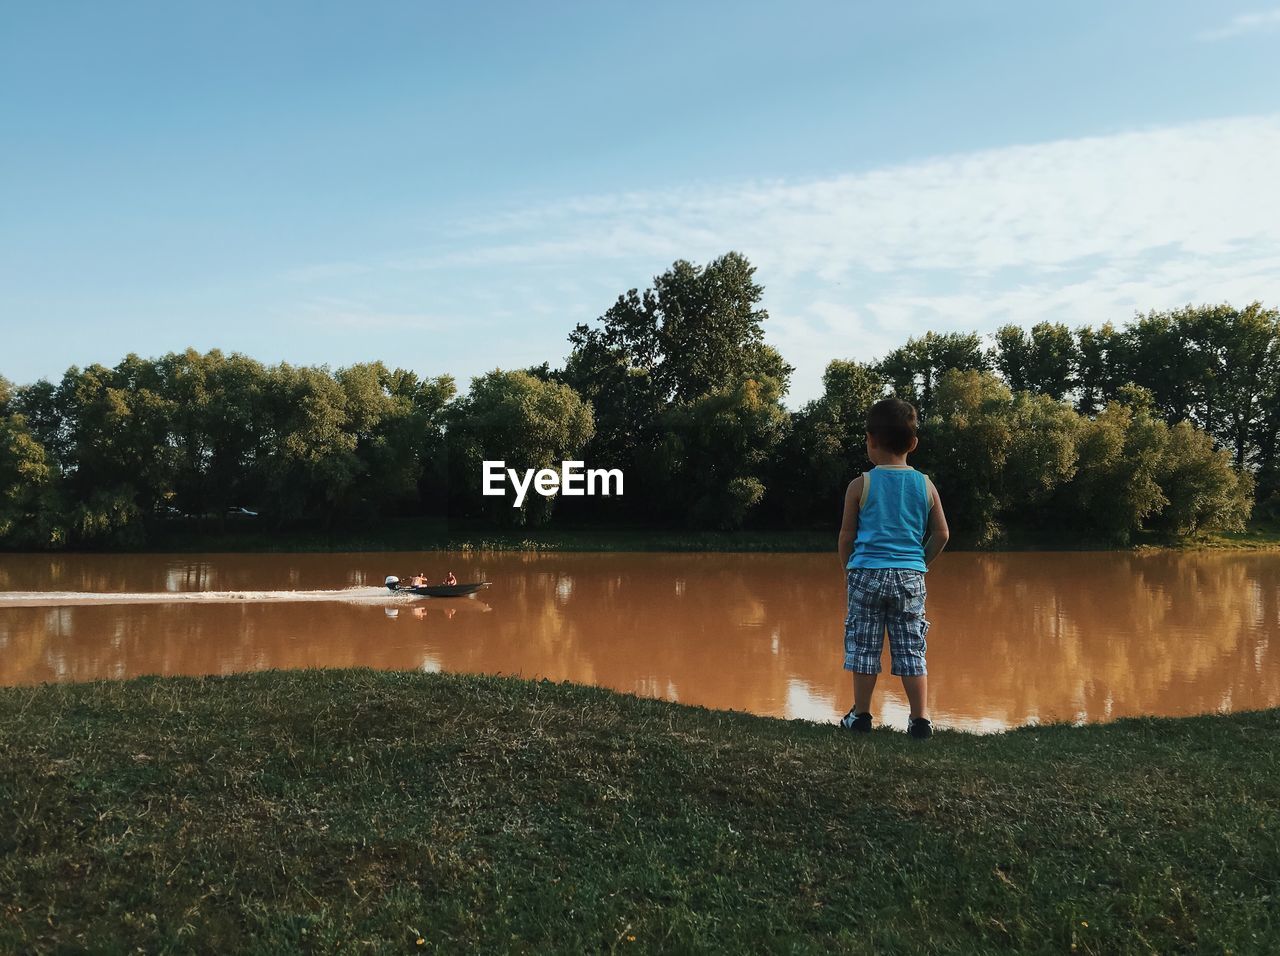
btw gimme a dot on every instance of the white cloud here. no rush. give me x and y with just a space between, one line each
1201 188
1243 24
1080 231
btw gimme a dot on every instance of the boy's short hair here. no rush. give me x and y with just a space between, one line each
892 423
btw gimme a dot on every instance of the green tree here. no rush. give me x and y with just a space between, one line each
716 449
1204 492
1122 456
1215 366
397 421
522 420
29 513
1043 361
964 445
1157 356
1268 481
997 456
120 463
38 404
825 446
1098 367
1042 455
1237 363
309 461
914 369
697 332
625 401
218 429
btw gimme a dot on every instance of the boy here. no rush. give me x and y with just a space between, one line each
888 512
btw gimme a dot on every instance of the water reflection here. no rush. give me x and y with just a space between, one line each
1016 638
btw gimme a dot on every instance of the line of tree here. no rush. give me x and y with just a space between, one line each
1169 423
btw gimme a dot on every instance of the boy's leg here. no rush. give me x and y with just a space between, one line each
864 634
917 690
863 686
907 629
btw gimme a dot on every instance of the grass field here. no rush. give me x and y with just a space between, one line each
1260 536
361 811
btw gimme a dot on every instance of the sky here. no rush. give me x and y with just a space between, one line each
452 187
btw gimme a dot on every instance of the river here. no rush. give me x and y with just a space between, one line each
1016 638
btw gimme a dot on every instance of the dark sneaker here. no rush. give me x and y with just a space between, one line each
919 728
859 723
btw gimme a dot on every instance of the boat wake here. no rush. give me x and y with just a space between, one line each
358 595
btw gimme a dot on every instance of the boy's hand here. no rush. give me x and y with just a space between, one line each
938 533
849 521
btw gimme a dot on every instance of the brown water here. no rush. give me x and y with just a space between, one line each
1016 638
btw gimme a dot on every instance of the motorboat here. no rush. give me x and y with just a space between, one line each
435 590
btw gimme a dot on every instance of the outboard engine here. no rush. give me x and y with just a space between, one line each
393 582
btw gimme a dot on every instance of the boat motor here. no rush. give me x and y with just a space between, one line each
392 582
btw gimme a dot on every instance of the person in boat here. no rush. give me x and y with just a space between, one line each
450 580
418 580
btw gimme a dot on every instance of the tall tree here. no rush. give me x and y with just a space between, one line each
310 459
1122 455
219 429
397 420
1203 490
120 461
1099 367
915 368
29 513
698 332
1237 362
825 446
716 449
964 444
1157 356
1268 438
1215 366
1043 361
522 420
699 328
996 455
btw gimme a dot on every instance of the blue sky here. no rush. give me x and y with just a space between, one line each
451 187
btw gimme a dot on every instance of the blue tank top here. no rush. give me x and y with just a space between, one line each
892 520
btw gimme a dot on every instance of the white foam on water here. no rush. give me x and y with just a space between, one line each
359 595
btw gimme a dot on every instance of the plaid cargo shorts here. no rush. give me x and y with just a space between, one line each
883 599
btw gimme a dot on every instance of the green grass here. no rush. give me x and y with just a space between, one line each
361 811
1259 536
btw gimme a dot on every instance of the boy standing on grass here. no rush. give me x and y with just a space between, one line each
893 527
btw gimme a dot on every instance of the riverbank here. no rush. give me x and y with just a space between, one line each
434 534
352 810
1257 537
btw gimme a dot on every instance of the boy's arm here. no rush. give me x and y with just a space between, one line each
849 521
938 532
